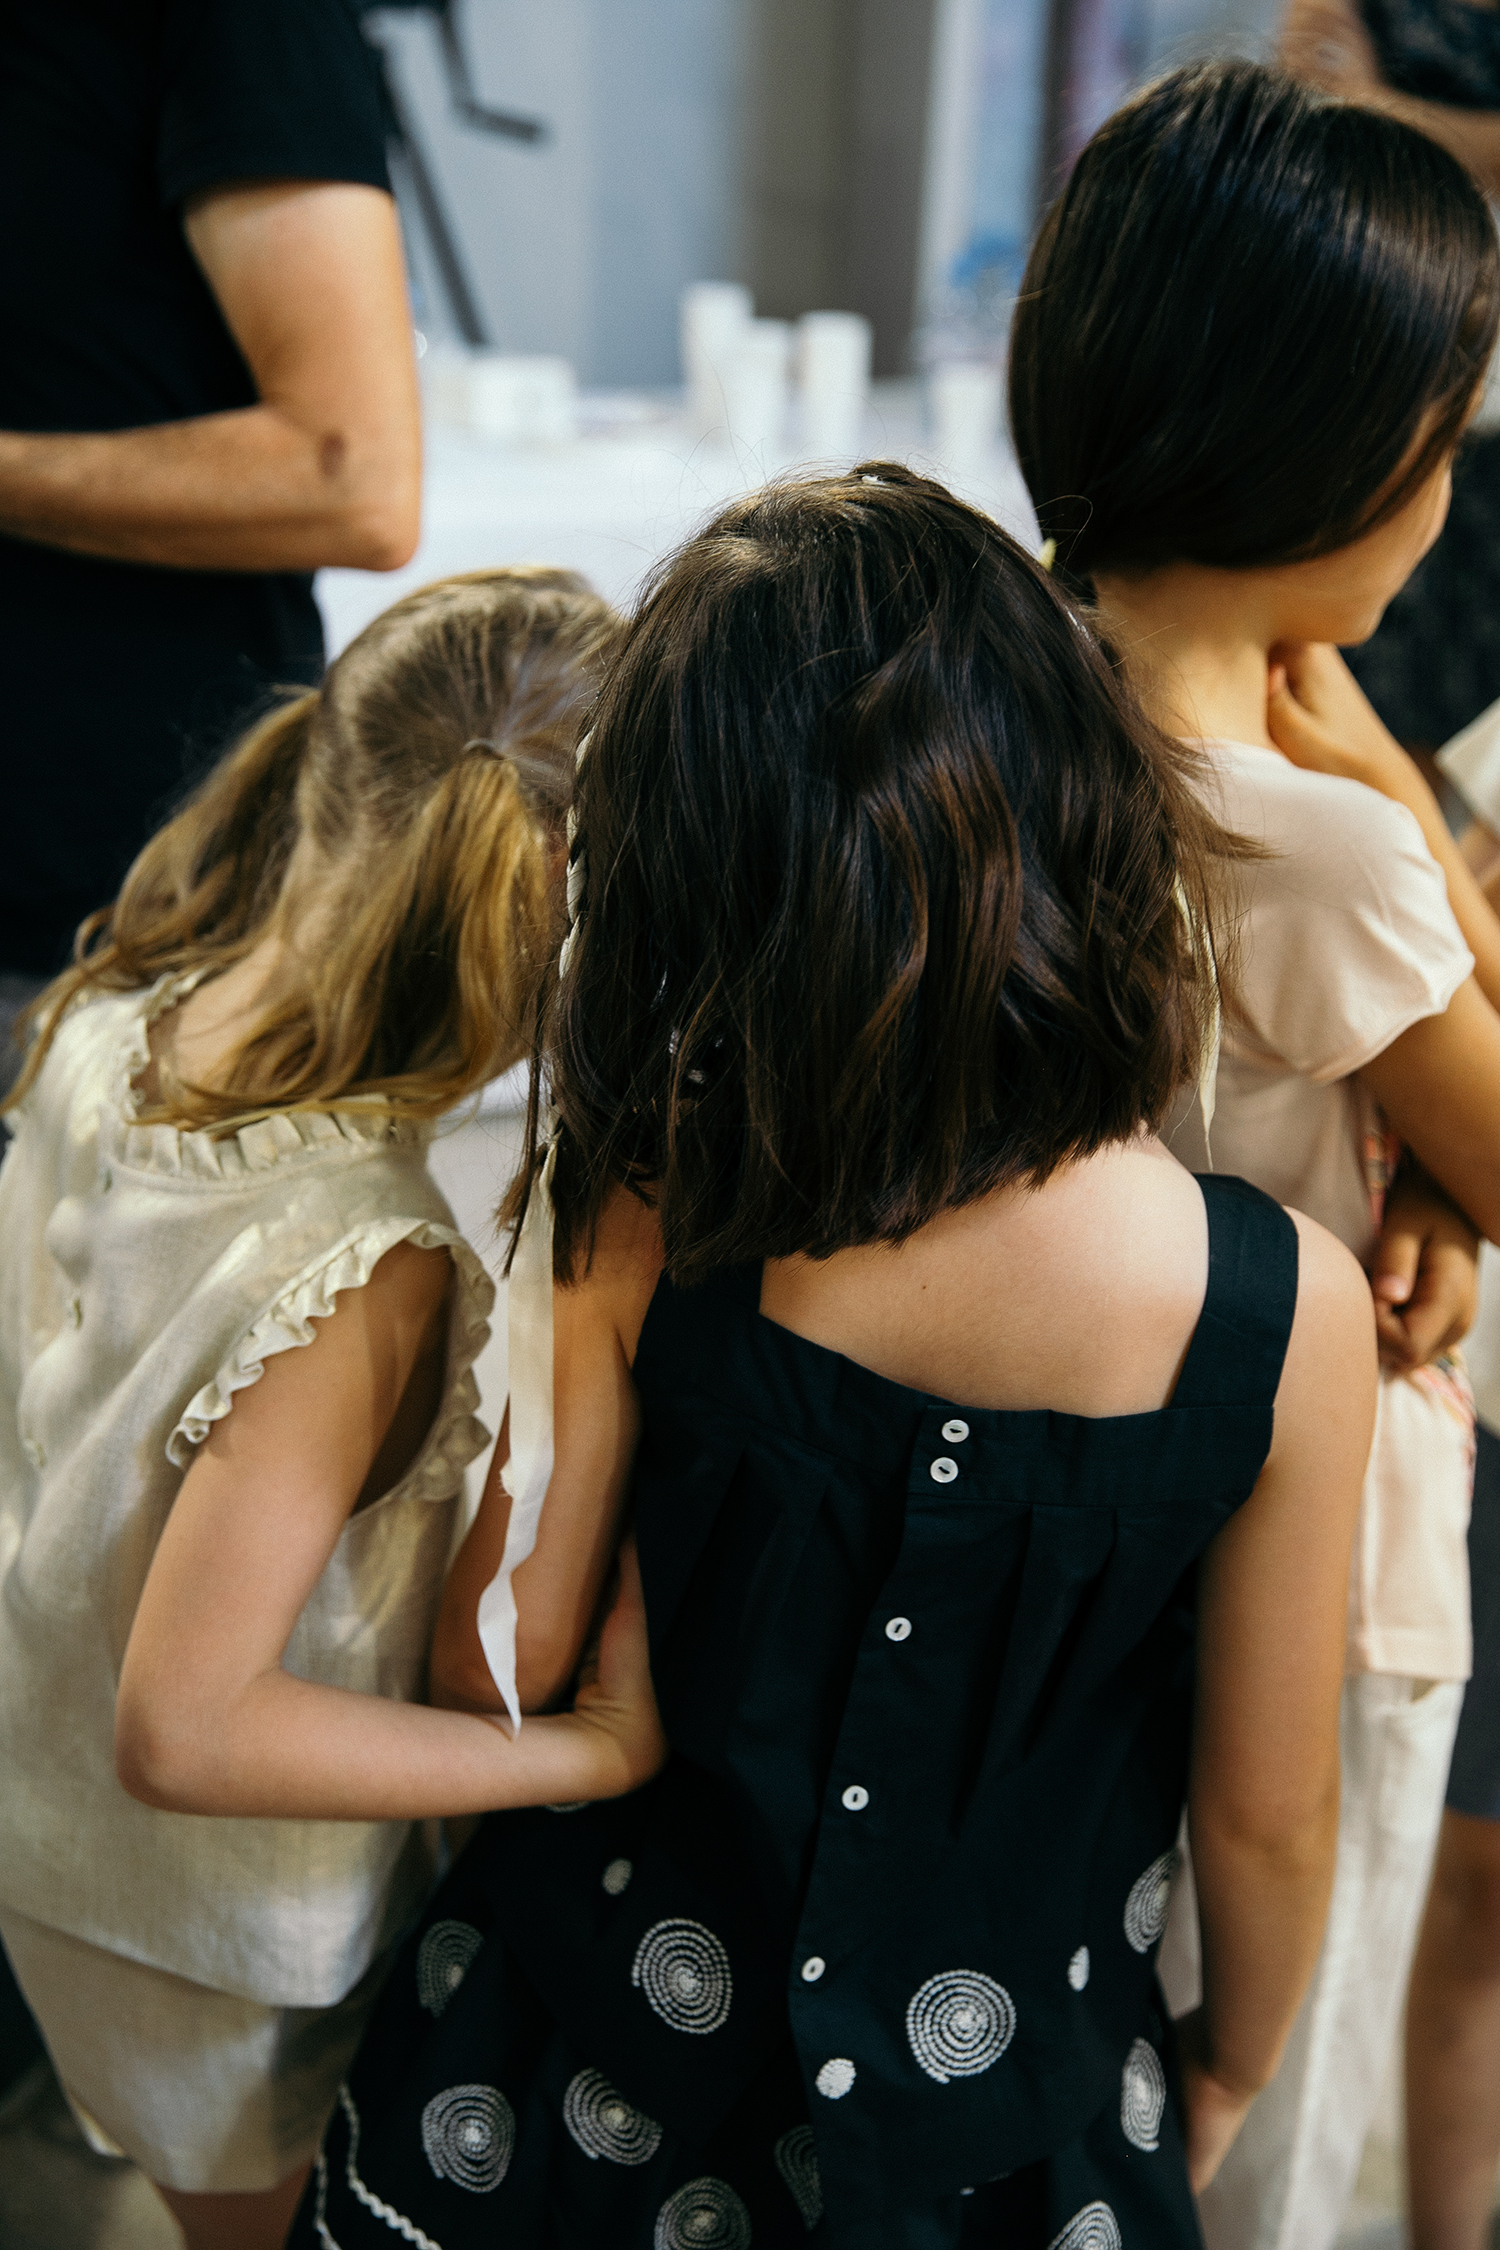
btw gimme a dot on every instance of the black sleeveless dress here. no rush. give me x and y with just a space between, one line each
872 1959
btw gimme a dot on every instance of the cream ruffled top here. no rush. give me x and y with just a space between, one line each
148 1275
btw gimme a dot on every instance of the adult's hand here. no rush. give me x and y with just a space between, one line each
325 469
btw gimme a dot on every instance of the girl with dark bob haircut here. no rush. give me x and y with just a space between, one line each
1251 333
933 1387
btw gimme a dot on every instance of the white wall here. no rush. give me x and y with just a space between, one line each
987 107
580 246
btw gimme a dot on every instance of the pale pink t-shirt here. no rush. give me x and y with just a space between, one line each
1348 941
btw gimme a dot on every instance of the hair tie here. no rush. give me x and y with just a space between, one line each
1047 554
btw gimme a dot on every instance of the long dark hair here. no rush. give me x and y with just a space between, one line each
1252 326
889 893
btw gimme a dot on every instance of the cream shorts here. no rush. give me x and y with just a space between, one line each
206 2092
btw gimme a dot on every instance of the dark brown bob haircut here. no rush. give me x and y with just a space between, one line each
890 894
1252 326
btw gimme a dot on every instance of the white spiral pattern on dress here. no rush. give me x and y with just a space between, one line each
442 1962
469 2134
835 2078
1078 1969
704 2215
684 1972
1095 2227
616 1876
959 2023
796 2158
1143 2096
603 2123
1146 1907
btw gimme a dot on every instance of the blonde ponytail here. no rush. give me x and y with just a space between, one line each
426 784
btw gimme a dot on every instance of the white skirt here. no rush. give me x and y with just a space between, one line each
206 2092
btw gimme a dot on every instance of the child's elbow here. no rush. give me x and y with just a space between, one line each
158 1757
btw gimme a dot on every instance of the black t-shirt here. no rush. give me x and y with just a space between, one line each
122 680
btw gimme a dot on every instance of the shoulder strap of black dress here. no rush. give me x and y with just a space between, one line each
1239 1344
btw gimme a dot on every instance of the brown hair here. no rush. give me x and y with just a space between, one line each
1251 328
890 894
428 778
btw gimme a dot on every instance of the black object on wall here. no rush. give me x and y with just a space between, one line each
409 157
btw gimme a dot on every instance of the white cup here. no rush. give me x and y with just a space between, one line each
834 367
714 316
521 397
754 376
963 397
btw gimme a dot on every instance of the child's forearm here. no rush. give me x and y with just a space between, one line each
287 1748
1261 1911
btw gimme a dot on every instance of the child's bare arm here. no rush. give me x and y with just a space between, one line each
1320 717
1264 1789
595 1427
208 1721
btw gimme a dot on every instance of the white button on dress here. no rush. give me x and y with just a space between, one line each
898 1628
855 1798
813 1967
944 1470
955 1432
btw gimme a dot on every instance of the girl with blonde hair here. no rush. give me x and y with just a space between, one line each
237 1328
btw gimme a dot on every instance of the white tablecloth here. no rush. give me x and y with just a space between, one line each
616 498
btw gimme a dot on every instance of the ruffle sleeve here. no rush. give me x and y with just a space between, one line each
457 1436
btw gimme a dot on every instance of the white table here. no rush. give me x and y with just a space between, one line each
614 500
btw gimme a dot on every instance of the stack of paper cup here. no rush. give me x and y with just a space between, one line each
964 398
834 364
714 316
755 375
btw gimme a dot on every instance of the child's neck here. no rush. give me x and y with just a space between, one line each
1195 649
192 1042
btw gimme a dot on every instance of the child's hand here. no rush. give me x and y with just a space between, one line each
614 1682
1425 1276
1212 2112
1319 718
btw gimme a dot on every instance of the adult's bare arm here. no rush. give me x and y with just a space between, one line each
1326 43
325 469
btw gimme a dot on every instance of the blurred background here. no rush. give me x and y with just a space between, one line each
566 173
863 154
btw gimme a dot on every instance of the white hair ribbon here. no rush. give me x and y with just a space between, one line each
529 1470
529 1330
1208 1072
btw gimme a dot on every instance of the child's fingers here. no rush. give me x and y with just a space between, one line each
1444 1302
1297 734
1398 1258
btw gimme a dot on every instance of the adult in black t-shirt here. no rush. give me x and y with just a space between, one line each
206 392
